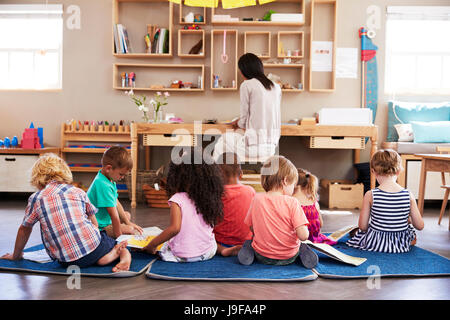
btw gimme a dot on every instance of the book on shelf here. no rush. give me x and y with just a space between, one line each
121 40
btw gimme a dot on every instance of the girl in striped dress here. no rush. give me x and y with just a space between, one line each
387 211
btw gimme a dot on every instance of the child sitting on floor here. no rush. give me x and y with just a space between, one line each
232 231
67 218
195 193
384 221
306 192
111 217
277 219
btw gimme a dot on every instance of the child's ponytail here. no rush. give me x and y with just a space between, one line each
308 183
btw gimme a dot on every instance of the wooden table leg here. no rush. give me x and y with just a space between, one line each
134 155
373 149
422 183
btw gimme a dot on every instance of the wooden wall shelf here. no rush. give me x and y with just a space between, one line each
195 11
290 41
323 28
165 75
134 16
227 71
294 77
189 38
258 42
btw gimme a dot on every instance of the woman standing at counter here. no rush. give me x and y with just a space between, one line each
260 117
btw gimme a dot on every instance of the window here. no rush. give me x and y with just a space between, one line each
418 50
31 47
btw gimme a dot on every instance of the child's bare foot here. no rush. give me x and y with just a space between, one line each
125 261
231 251
113 254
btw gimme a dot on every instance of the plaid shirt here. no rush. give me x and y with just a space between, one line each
63 213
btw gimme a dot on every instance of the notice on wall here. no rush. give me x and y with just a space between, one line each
347 63
322 56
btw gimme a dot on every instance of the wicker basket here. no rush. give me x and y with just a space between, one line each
155 198
149 177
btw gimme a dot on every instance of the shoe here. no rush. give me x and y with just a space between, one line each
308 258
246 255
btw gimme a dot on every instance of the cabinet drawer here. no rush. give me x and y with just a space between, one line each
182 140
15 173
337 142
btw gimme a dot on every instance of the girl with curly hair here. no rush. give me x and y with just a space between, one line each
195 189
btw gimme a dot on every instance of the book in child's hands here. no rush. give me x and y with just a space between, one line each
342 232
141 241
331 252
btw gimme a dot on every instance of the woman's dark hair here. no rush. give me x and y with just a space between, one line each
252 67
202 181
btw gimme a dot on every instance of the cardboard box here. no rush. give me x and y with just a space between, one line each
341 194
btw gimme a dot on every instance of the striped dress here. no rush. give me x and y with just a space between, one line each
388 229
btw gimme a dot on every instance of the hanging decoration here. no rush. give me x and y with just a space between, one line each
226 4
369 73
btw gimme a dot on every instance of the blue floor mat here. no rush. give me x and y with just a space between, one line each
139 263
417 262
227 269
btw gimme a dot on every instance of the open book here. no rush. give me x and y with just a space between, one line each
141 241
331 252
342 232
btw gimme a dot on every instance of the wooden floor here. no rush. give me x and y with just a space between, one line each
32 286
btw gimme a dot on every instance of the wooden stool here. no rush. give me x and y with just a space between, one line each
442 150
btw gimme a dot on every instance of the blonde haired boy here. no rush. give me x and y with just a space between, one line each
67 219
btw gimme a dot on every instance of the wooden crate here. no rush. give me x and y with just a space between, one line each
155 198
183 140
341 194
337 142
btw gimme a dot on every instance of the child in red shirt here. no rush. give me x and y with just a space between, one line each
232 230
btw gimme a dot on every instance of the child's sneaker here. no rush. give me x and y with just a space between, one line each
308 258
246 255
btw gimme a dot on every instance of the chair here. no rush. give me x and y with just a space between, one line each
442 150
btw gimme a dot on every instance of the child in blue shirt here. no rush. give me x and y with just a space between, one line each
111 216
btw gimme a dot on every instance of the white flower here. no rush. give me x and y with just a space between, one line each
158 93
153 102
130 93
166 94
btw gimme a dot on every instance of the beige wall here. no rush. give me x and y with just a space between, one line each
88 95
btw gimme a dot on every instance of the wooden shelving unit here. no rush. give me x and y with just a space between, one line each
227 71
195 11
135 16
90 136
256 12
290 41
172 72
323 28
186 37
296 72
258 42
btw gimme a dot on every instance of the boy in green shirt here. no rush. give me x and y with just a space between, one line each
111 217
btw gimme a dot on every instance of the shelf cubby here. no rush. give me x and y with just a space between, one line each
135 15
159 77
258 43
227 71
195 10
258 12
323 28
290 41
293 74
189 38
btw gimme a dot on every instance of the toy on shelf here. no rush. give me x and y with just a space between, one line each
192 27
96 126
32 138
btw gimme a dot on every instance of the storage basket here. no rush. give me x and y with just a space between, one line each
341 194
149 177
155 198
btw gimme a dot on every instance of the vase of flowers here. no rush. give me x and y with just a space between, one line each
159 100
140 102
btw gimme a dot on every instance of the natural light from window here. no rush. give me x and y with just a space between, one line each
417 56
31 48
